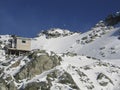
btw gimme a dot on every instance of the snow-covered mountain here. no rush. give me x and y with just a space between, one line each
102 41
64 60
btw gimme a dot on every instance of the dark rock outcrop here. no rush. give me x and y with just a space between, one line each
5 86
113 19
37 86
103 79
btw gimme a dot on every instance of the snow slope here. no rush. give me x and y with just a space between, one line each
101 42
90 69
106 47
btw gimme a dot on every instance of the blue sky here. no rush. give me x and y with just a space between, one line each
29 17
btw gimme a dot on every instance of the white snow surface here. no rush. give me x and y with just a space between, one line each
74 65
102 44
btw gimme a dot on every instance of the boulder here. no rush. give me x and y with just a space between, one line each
40 61
3 85
37 86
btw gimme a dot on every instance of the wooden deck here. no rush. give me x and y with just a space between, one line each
13 51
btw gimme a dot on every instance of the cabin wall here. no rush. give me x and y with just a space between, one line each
23 44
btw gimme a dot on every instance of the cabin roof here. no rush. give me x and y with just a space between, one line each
24 38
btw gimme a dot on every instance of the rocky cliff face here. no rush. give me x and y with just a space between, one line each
7 86
17 70
40 62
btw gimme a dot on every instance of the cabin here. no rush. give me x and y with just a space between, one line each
19 45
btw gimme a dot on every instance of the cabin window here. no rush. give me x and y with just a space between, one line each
23 41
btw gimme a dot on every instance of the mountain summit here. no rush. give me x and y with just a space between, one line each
55 32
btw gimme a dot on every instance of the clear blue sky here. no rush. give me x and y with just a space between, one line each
29 17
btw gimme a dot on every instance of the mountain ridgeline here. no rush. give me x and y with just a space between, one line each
112 19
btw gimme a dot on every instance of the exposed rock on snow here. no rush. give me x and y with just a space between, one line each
55 32
7 86
38 64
